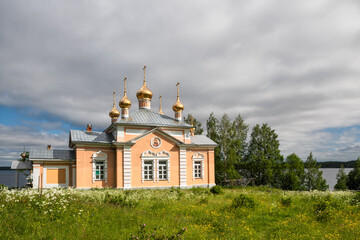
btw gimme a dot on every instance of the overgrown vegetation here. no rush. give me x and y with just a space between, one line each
251 213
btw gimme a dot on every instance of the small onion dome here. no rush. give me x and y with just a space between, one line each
114 113
178 106
125 102
144 93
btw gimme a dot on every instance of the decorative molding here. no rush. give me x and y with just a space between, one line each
155 142
127 167
99 156
182 167
199 157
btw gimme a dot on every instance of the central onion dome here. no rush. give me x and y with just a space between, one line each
178 106
125 102
144 93
114 113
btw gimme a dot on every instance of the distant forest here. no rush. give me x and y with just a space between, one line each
349 164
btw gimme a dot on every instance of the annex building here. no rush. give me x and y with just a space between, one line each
141 148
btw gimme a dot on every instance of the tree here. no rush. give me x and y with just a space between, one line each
341 179
313 176
189 119
231 137
353 181
263 160
293 177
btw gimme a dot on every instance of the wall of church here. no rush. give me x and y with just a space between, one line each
84 167
144 144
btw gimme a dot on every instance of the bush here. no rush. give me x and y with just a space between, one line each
121 200
286 202
216 190
243 201
324 208
356 199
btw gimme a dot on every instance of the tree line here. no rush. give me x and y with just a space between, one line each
259 157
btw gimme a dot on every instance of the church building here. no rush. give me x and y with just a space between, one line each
141 148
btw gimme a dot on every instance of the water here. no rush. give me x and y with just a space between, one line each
330 175
7 177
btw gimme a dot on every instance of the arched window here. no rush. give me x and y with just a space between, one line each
99 166
198 166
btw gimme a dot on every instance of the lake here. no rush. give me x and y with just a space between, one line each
330 175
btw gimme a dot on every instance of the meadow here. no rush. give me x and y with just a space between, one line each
238 213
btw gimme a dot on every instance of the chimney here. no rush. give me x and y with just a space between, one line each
48 147
89 127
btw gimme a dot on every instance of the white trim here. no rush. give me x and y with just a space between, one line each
182 164
50 185
120 131
36 174
127 167
135 131
199 157
99 156
177 133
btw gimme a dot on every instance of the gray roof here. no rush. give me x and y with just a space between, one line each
95 137
44 153
21 165
202 140
147 117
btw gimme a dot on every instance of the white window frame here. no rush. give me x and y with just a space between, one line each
162 166
155 158
99 157
148 166
199 158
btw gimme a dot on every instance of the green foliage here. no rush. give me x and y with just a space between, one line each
286 201
356 200
216 190
313 176
156 234
231 137
263 159
325 207
121 199
79 214
341 179
353 181
293 176
243 201
189 119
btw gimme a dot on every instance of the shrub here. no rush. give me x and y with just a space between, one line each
356 199
324 208
121 200
286 202
243 201
216 190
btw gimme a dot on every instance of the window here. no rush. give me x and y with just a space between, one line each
99 167
148 170
99 170
197 169
162 170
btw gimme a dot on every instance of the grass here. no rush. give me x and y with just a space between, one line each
251 213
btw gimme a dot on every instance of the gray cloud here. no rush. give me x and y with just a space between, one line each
293 65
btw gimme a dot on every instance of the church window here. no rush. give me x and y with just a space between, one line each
99 166
148 170
99 170
197 169
163 170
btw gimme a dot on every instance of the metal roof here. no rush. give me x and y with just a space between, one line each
147 117
44 153
95 137
202 140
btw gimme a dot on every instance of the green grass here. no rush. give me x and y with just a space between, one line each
257 213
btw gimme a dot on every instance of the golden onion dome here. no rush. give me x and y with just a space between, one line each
144 92
125 102
114 113
178 106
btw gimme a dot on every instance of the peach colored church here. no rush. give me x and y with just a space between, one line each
141 148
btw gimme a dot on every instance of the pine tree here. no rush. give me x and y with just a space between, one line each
293 177
313 176
341 179
263 159
353 181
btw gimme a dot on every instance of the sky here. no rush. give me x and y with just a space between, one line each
292 64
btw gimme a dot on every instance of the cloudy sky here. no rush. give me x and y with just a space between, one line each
292 64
